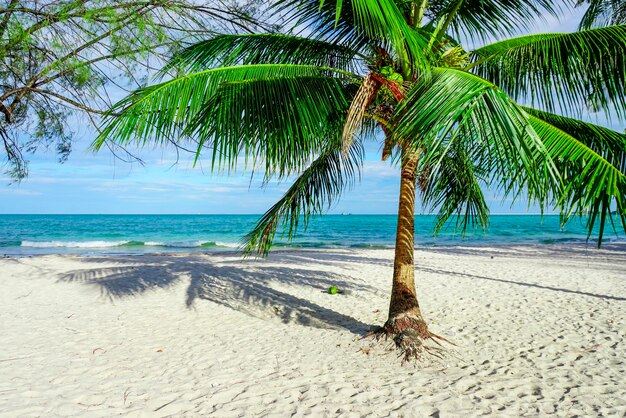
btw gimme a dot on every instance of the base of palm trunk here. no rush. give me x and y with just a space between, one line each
411 336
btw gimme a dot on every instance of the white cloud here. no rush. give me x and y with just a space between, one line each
379 169
19 192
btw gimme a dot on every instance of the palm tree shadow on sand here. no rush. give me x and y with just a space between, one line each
244 287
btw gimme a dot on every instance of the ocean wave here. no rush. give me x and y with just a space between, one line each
73 244
10 243
190 244
110 244
310 244
227 244
564 240
216 245
174 244
576 240
372 246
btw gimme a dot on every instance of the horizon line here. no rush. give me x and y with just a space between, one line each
256 214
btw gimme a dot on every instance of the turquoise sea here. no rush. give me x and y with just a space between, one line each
137 234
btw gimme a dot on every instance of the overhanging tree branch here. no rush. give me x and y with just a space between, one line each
60 57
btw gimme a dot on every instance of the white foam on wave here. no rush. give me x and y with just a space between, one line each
227 244
177 244
109 244
190 244
73 244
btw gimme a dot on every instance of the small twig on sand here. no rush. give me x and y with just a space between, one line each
14 358
198 397
165 404
590 349
89 405
24 296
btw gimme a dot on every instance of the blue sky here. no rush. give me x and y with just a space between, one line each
90 183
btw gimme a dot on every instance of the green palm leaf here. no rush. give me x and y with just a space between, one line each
282 123
602 13
321 23
566 71
454 188
361 22
171 110
456 104
311 193
591 160
605 142
227 50
480 19
458 110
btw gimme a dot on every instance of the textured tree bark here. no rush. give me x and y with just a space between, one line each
405 322
403 299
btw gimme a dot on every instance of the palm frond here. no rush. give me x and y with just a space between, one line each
363 97
601 13
591 160
456 107
458 103
228 50
311 193
173 110
280 123
481 19
454 189
605 142
560 71
360 23
306 16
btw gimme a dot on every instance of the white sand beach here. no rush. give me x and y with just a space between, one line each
538 331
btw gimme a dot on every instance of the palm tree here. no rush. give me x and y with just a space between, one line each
300 105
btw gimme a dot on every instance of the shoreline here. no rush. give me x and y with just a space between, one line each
104 235
560 247
536 333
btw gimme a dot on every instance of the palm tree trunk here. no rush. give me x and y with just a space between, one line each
405 318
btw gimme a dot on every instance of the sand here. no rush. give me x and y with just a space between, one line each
538 331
